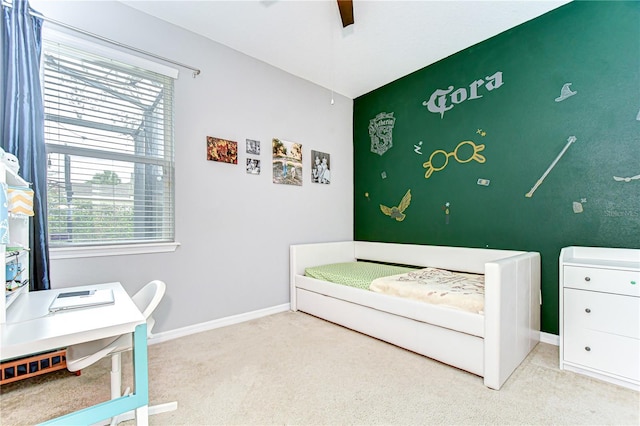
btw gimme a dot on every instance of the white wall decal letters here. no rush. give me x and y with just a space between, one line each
438 102
494 81
459 96
473 88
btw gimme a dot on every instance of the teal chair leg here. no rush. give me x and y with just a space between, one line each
138 400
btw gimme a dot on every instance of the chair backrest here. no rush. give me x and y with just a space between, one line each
148 298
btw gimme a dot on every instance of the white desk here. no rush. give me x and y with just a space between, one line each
30 329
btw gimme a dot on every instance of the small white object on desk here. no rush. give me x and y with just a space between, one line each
81 299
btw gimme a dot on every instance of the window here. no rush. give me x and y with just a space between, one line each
109 139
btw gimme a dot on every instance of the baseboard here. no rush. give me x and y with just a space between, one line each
221 322
549 338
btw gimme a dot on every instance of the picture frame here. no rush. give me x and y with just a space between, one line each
287 162
222 150
320 167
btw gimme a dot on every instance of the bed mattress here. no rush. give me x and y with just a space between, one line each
436 286
442 314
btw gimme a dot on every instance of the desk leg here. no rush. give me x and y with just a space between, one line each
139 400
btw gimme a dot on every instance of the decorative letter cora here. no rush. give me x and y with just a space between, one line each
443 100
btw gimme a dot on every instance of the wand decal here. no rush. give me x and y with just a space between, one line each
570 140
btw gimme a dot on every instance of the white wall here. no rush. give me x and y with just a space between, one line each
235 229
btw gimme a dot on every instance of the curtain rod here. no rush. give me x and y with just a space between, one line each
196 71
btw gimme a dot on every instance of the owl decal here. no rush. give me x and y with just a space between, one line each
397 213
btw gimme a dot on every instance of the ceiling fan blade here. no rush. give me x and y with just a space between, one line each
346 12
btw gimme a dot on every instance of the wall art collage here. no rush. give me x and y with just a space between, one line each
286 160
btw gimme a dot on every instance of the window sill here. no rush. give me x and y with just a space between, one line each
115 250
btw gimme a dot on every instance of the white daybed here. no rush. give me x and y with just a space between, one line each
490 345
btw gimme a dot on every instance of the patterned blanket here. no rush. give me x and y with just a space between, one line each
436 286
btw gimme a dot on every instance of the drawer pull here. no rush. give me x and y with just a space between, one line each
587 279
587 348
588 310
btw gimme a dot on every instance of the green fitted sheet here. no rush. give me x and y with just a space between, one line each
354 274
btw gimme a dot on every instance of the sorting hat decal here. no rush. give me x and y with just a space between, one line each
565 92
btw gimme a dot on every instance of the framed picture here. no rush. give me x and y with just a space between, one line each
253 147
287 162
222 150
253 166
320 167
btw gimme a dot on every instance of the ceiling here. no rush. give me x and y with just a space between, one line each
390 38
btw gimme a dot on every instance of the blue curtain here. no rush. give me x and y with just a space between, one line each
23 121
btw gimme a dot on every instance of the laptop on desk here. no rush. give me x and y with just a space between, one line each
81 299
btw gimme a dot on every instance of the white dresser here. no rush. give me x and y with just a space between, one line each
600 313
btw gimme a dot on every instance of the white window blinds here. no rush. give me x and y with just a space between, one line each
109 138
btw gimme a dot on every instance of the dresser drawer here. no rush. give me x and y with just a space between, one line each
604 280
608 353
608 313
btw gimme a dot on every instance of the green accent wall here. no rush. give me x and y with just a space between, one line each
516 130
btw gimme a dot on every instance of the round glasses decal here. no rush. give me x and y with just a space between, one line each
429 165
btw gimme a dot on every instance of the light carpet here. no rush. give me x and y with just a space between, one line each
295 369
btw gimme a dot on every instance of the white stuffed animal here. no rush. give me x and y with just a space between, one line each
11 161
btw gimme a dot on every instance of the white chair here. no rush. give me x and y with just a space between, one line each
85 354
